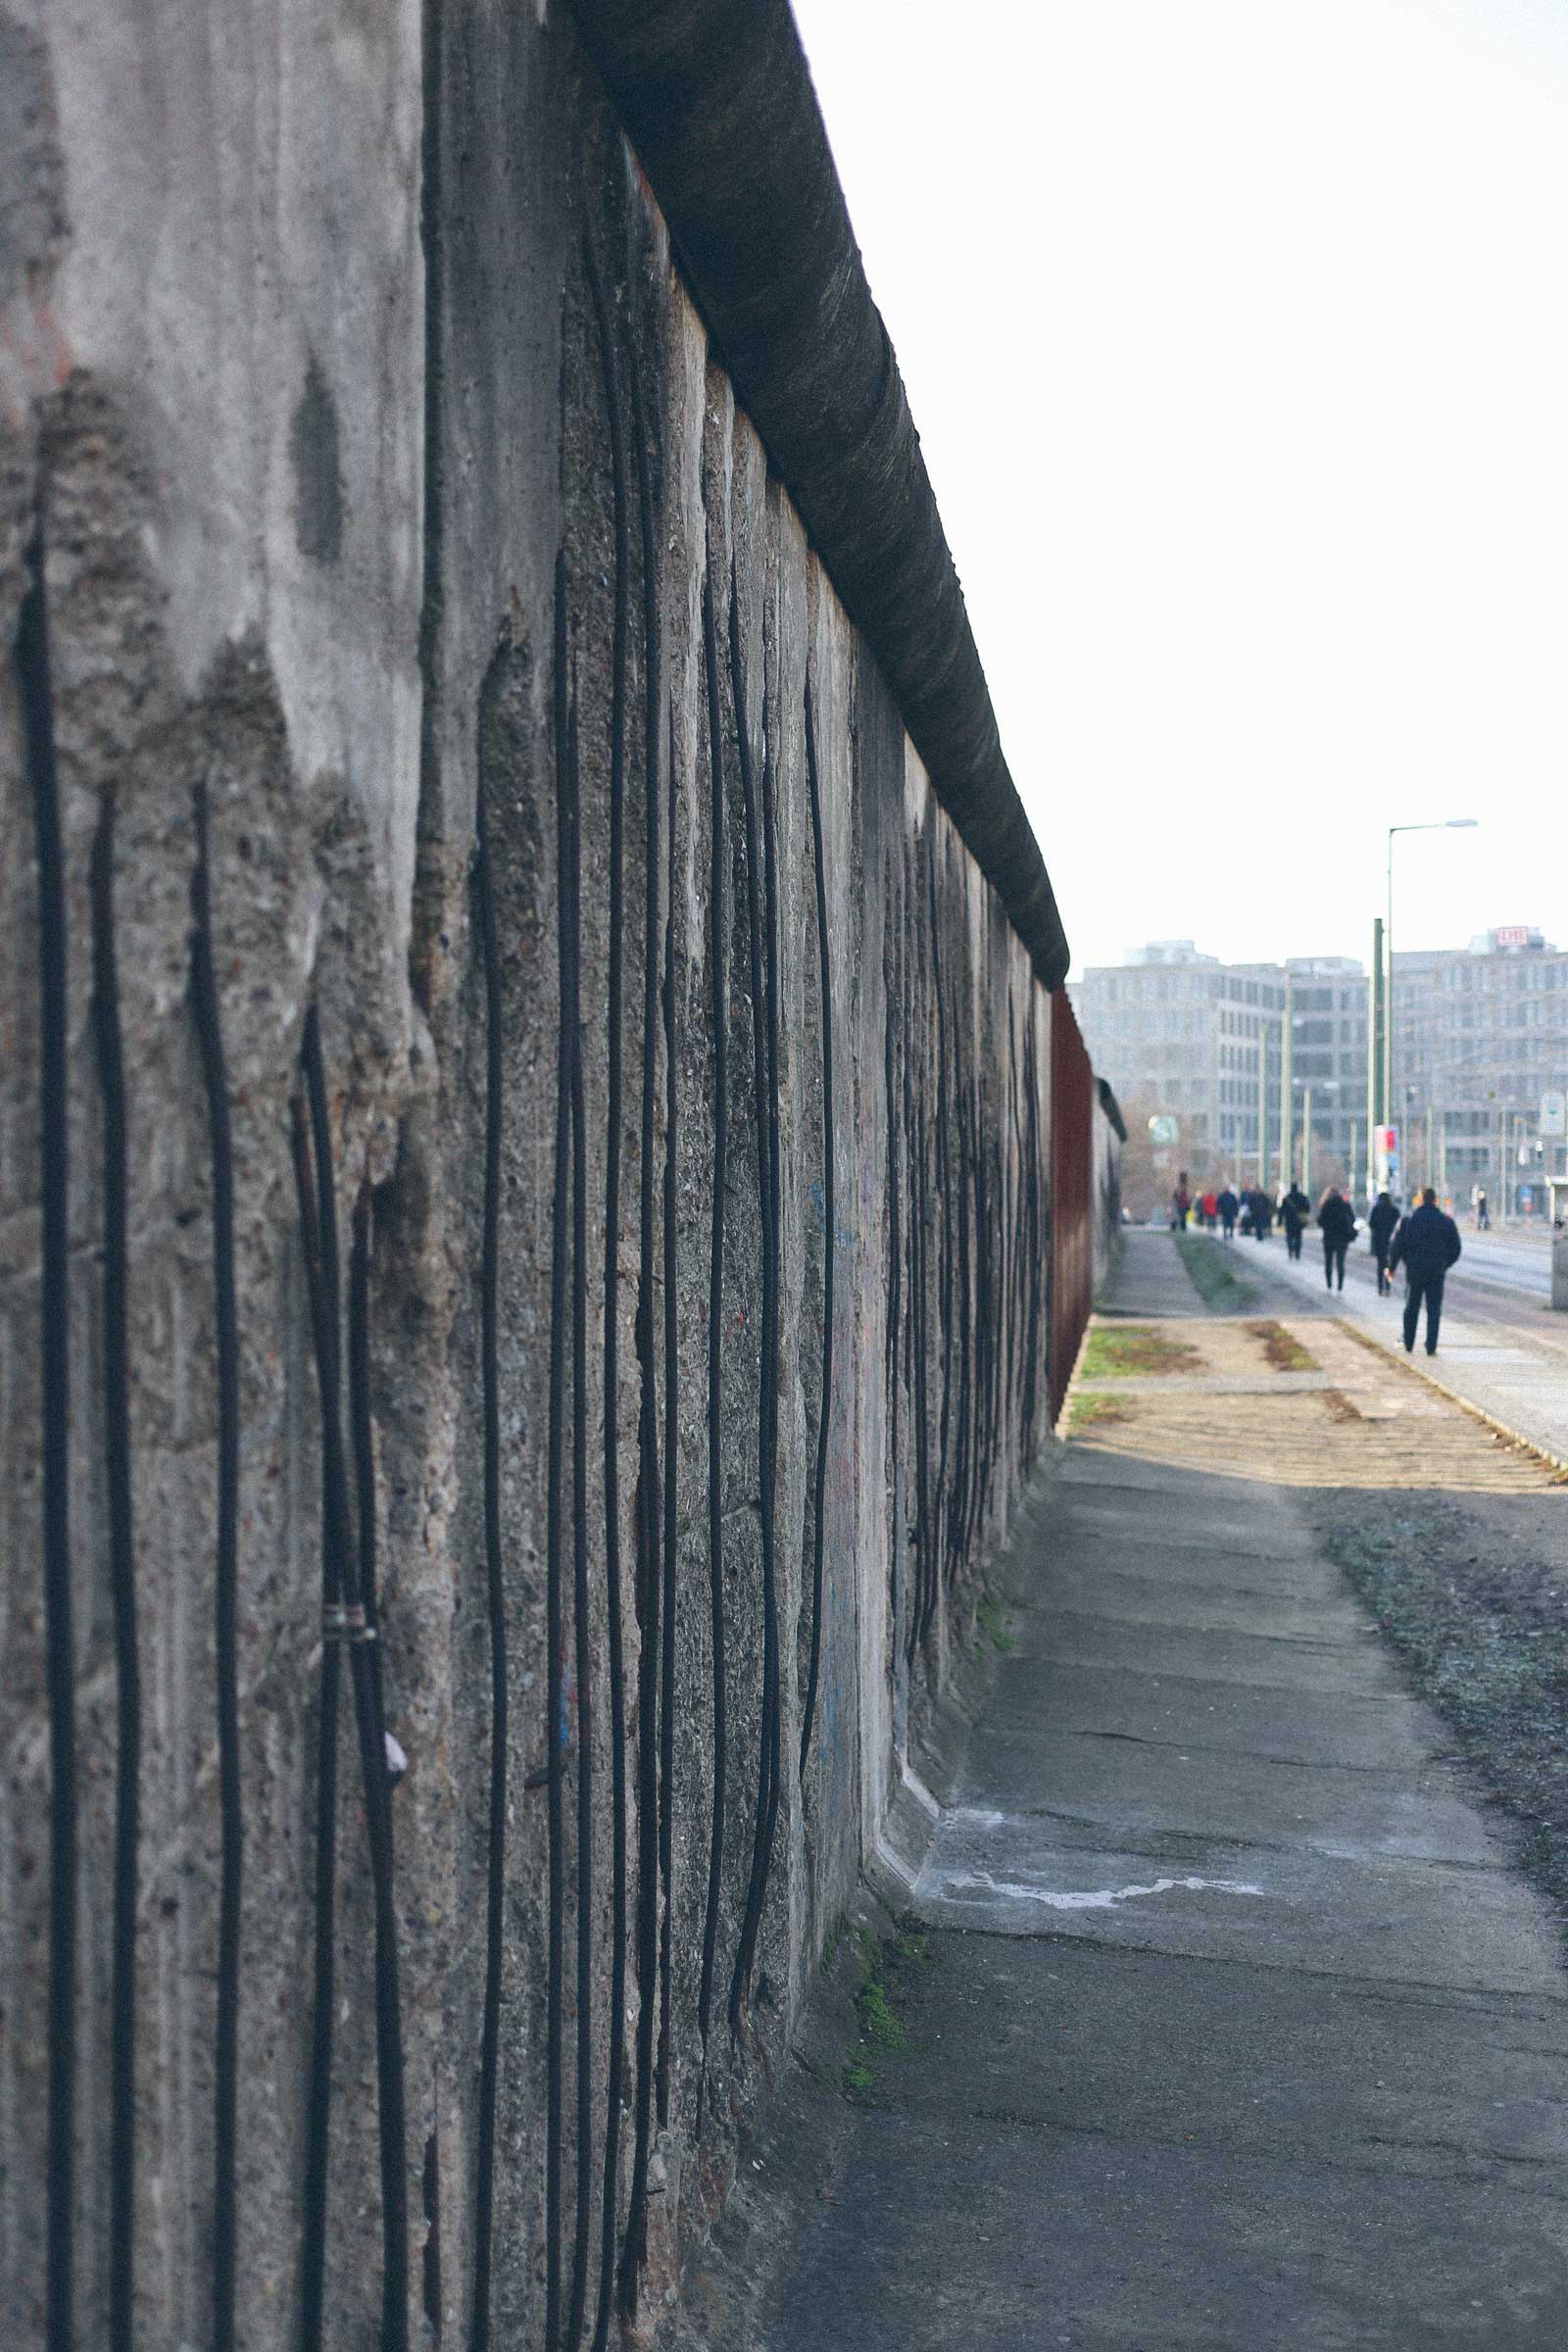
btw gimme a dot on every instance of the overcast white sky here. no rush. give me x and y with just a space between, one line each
1235 335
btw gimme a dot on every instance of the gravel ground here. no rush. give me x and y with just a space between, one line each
1472 1592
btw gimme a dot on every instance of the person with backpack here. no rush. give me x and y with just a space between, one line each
1426 1244
1380 1225
1336 1220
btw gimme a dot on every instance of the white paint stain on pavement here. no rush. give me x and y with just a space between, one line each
1092 1899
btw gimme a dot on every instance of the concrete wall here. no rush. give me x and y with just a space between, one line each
368 492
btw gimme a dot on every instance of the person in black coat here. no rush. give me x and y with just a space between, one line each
1227 1205
1263 1208
1427 1244
1295 1209
1381 1222
1336 1220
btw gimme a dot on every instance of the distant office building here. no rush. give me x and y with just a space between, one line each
1328 1061
1480 1058
1480 1051
1202 1041
1188 1034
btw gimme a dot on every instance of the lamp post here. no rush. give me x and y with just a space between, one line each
1441 824
1269 1017
1306 1138
1287 1095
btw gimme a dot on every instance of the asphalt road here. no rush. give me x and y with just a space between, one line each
1524 1265
1496 1279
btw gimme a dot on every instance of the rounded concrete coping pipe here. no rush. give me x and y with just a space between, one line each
717 98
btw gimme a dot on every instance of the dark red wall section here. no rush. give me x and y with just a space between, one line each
1072 1240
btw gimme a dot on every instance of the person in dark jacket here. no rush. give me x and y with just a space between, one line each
1337 1221
1228 1206
1263 1208
1295 1209
1380 1224
1426 1244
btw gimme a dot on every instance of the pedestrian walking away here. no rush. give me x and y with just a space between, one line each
1482 1212
1181 1200
1210 1208
1228 1206
1426 1244
1381 1224
1337 1221
1295 1209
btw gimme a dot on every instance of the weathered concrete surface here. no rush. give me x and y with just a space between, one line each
1240 2026
355 506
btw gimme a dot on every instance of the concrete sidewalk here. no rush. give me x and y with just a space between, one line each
1148 1278
1236 2029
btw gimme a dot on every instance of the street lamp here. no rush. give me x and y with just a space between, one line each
1442 825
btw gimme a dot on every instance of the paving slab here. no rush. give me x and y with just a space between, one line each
1054 2035
1279 1720
1105 1639
1181 1593
1046 2237
1353 1912
1120 1787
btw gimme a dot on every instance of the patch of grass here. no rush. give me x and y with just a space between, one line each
991 1624
1113 1350
1213 1279
881 2026
1285 1353
890 1969
1090 1412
